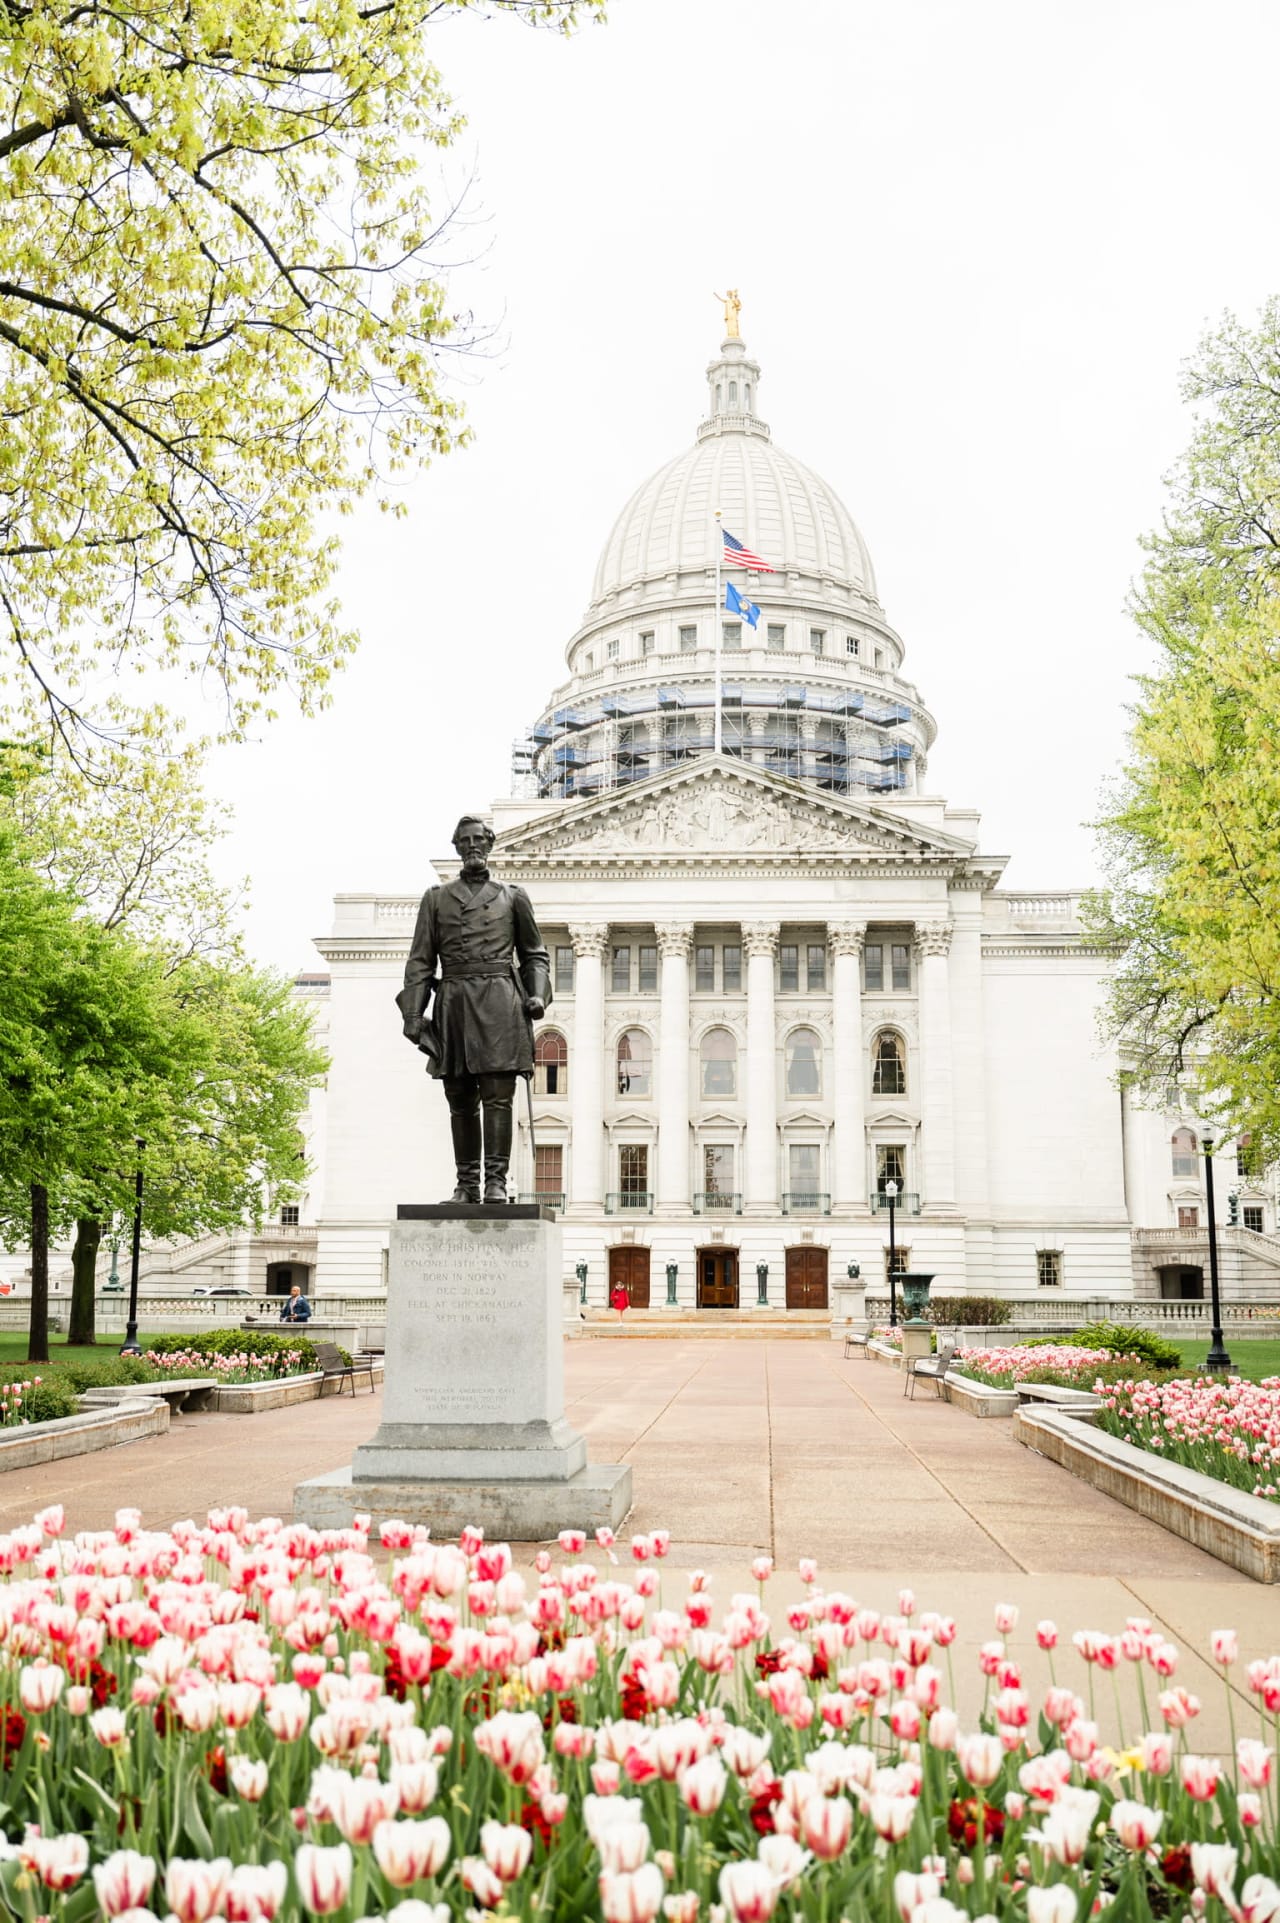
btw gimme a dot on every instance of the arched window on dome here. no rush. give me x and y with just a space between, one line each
635 1063
888 1064
1184 1146
550 1063
733 393
718 1056
746 395
719 395
804 1062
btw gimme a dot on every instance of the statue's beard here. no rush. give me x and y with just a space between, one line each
476 868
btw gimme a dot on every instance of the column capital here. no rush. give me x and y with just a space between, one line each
933 937
675 938
760 938
846 937
589 939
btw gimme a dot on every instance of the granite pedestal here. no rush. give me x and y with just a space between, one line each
473 1425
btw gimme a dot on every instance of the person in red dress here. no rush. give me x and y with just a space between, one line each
620 1301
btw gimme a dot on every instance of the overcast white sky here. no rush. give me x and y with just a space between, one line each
974 244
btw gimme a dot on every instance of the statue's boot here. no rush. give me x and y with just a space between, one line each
497 1149
466 1155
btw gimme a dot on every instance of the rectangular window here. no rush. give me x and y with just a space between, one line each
900 959
688 640
873 967
789 968
548 1169
647 642
1049 1268
815 966
621 978
731 963
564 969
633 1168
1252 1215
803 1160
851 644
704 969
776 636
289 1215
879 657
717 1168
731 633
614 648
901 1261
1188 1216
891 1165
648 970
817 640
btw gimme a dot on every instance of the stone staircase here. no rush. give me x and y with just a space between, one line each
786 1325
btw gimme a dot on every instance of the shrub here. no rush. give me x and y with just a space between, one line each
35 1399
262 1342
969 1311
1123 1339
106 1373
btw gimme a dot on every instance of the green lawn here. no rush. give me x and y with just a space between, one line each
13 1347
1252 1359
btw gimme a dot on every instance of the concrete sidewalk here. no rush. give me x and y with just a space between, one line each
779 1448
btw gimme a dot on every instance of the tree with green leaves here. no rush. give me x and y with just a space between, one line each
106 1047
222 324
1191 836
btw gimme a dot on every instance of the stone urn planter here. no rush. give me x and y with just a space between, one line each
915 1293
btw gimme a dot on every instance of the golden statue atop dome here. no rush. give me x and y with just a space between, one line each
732 309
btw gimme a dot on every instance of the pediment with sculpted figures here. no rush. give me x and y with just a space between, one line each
717 807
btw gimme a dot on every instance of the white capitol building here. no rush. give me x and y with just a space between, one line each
786 975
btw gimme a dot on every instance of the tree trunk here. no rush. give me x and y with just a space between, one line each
38 1339
84 1280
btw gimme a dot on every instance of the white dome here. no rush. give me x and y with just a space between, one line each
768 499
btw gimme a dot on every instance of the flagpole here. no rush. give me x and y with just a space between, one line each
718 737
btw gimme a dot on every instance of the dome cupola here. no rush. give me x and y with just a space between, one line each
812 690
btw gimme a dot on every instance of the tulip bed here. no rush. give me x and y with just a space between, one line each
1042 1362
250 1720
1227 1429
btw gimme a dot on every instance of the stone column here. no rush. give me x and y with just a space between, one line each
968 1053
937 1108
760 1196
586 1070
849 1074
675 941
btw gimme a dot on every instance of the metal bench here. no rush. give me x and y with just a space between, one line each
334 1369
852 1341
932 1367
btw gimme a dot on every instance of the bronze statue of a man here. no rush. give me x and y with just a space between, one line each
476 945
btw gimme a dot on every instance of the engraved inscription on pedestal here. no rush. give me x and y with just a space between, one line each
465 1324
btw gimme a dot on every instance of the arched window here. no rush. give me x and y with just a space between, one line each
719 395
1183 1144
888 1065
746 395
719 1057
733 393
635 1063
550 1063
804 1062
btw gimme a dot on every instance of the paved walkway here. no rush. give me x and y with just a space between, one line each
743 1448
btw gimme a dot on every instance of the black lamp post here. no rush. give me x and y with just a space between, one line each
762 1285
131 1345
580 1270
673 1270
891 1196
1217 1359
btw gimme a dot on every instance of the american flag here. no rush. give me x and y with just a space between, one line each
738 556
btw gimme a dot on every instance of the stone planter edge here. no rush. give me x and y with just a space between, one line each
80 1435
1238 1529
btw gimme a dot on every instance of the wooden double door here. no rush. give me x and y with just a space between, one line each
630 1267
806 1278
717 1278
